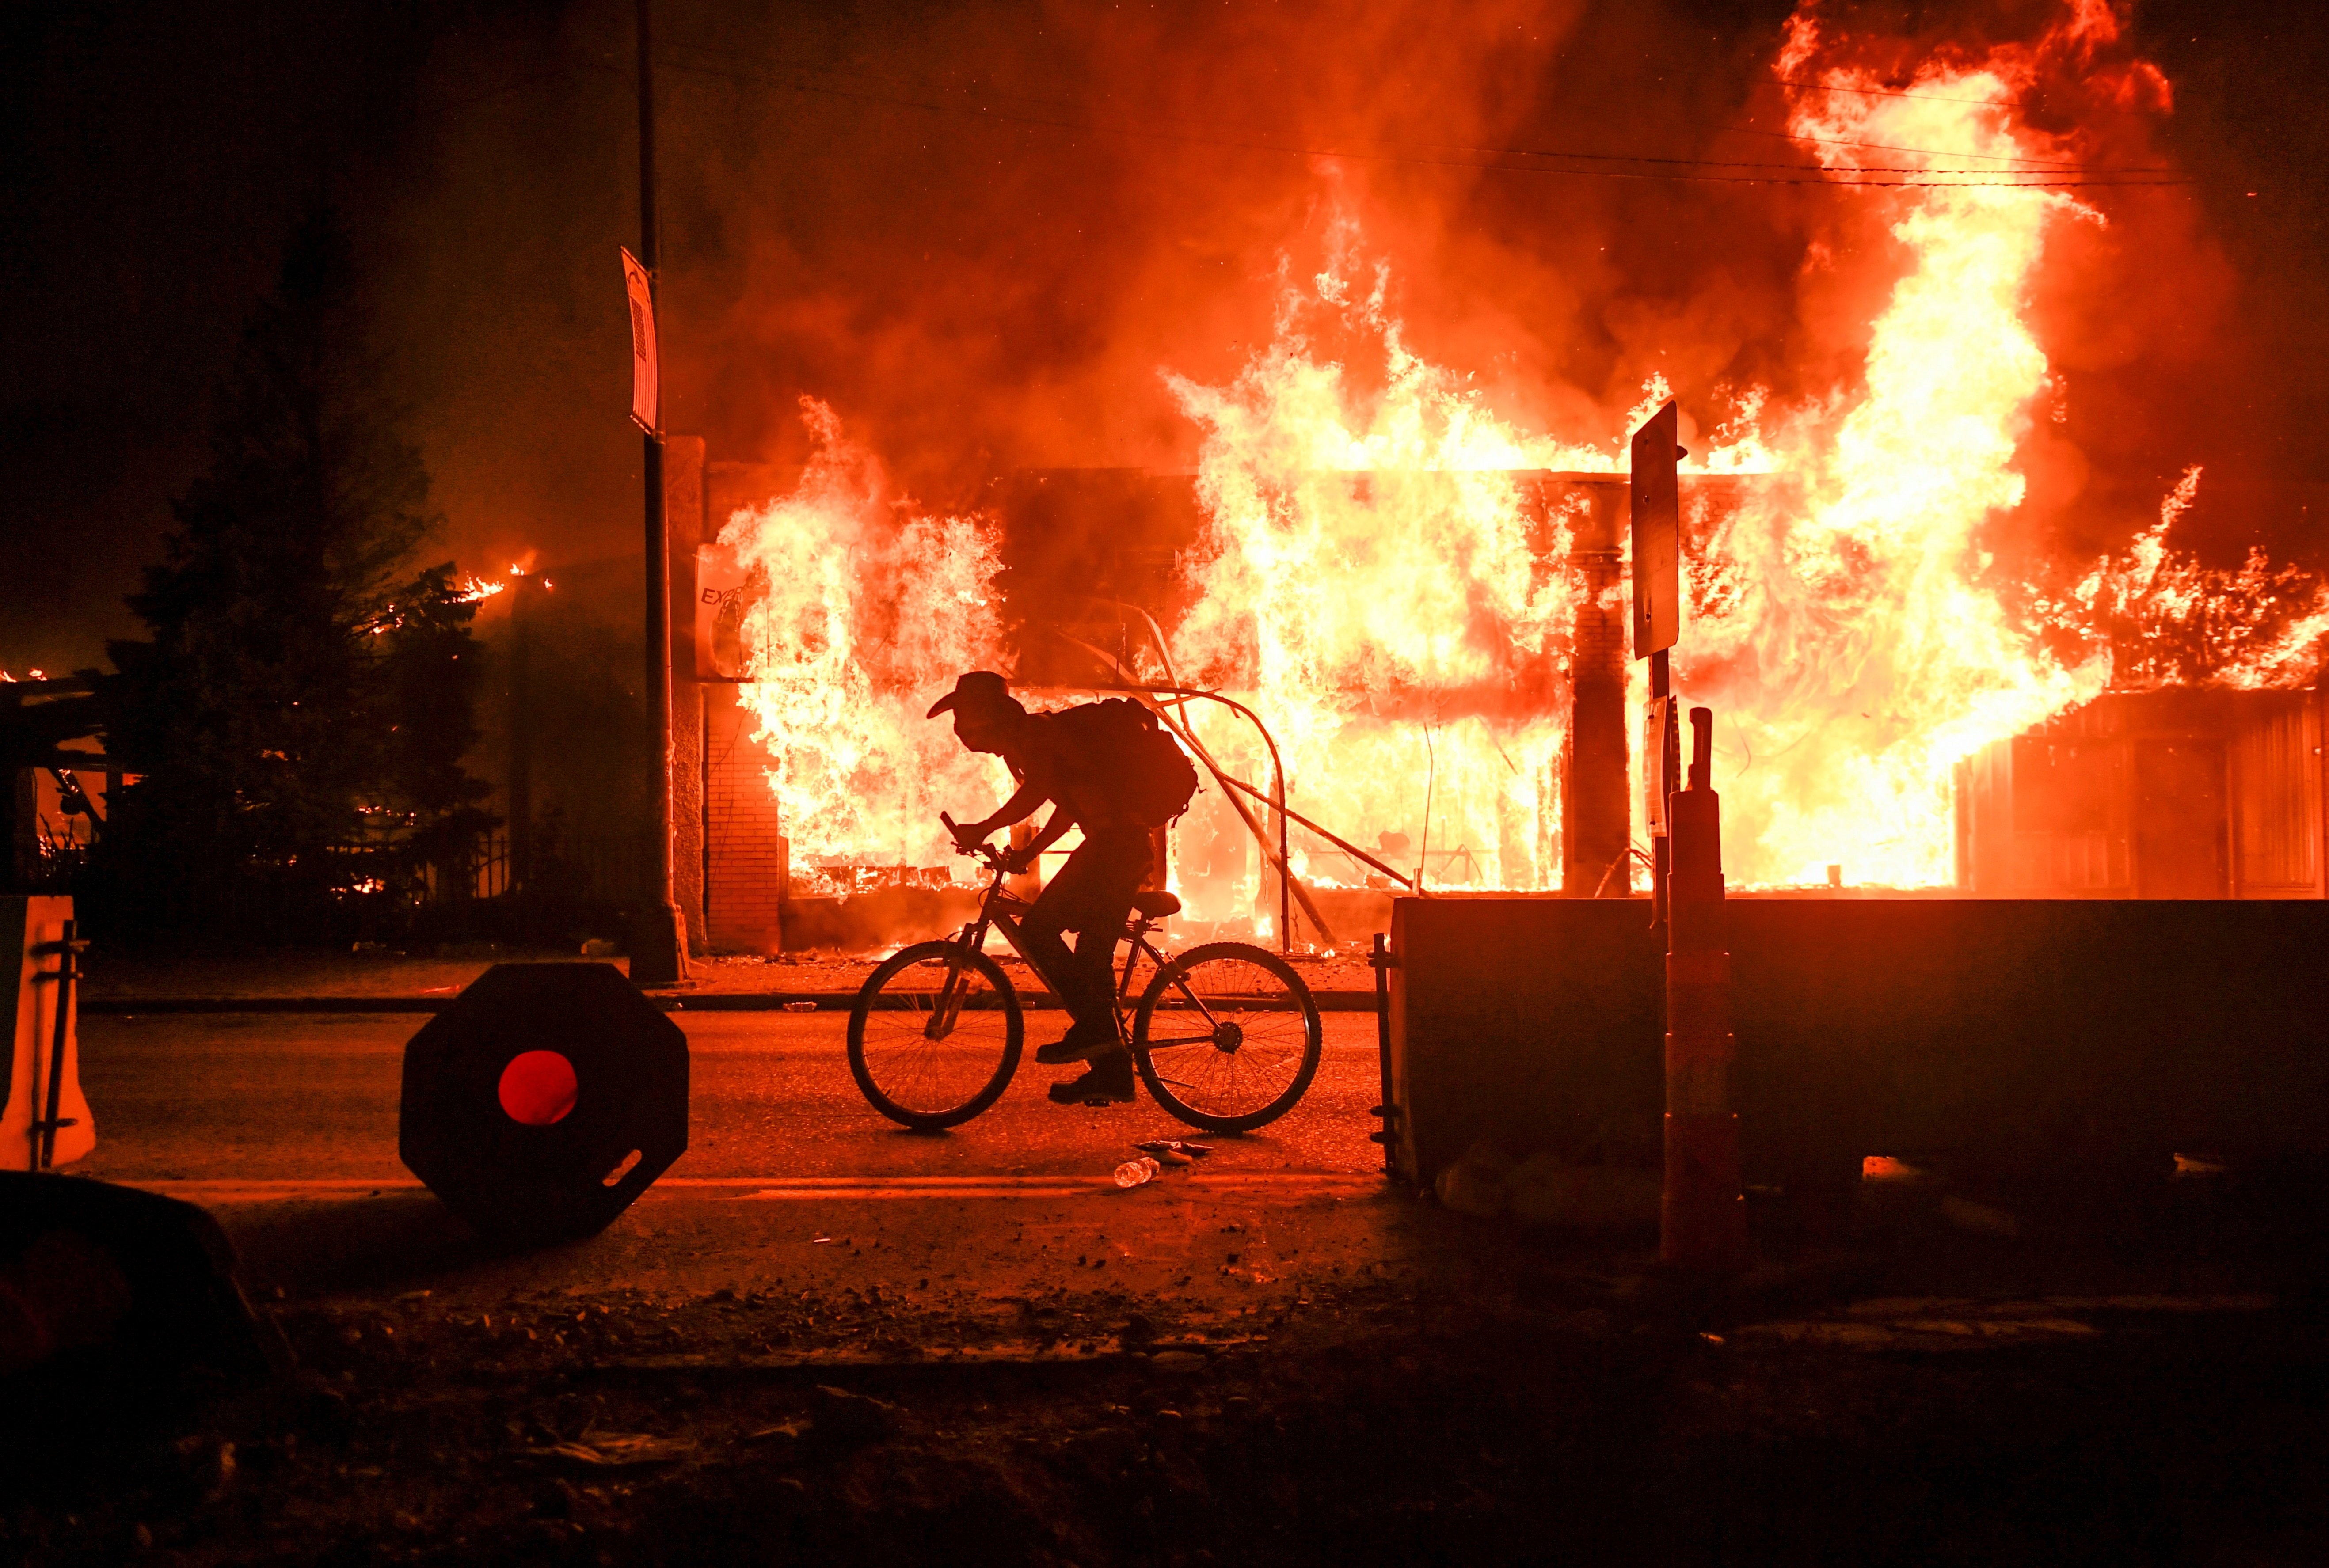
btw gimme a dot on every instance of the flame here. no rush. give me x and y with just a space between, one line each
868 606
1847 639
1373 579
1853 638
1369 584
2163 619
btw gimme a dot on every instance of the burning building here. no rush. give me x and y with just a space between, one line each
1412 595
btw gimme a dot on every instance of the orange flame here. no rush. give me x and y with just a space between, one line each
1858 652
1372 580
2163 619
1370 586
869 606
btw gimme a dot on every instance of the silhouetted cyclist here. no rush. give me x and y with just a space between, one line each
1107 769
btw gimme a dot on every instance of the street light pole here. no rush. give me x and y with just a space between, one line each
658 934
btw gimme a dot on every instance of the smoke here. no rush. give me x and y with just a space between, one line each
987 238
980 231
1099 196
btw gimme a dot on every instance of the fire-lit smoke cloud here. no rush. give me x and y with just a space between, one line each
1863 653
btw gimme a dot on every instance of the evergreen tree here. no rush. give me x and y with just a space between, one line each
300 711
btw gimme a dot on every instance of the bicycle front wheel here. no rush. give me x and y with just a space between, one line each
934 1036
1226 1037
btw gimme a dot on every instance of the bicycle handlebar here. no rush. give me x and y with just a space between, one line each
979 852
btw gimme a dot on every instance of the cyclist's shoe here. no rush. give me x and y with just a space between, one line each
1107 1083
1081 1043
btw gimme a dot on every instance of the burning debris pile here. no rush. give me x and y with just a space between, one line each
1380 575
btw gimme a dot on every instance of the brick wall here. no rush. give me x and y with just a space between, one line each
743 850
683 505
745 885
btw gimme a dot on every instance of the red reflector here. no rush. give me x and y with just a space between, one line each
538 1087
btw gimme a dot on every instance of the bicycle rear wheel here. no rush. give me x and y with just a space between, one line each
934 1036
1226 1037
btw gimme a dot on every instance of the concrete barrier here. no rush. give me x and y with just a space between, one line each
2023 1040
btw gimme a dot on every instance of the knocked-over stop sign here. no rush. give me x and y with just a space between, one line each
1658 533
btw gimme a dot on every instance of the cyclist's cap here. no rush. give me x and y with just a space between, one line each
978 690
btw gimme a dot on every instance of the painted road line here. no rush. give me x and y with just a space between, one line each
821 1002
1286 1183
1306 1184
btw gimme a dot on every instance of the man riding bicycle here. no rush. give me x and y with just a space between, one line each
1088 762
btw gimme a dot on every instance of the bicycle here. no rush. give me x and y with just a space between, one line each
936 1031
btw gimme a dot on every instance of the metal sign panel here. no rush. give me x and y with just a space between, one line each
646 393
724 595
1658 533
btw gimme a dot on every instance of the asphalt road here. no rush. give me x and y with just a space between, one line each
313 1098
286 1125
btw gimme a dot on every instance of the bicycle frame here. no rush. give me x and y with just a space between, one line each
1001 909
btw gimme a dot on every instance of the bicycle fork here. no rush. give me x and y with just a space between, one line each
951 995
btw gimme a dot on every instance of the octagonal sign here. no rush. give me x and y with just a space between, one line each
544 1100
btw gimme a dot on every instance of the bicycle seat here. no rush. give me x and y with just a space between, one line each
1155 905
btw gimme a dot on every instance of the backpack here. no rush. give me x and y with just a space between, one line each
1130 759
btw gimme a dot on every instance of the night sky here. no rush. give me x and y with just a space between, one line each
980 231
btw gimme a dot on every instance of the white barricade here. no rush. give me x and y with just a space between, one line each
33 930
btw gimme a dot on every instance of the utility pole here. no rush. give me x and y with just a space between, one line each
658 934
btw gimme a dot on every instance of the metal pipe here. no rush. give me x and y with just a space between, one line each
1703 1216
1343 844
1661 770
658 937
1387 1108
1278 856
1287 885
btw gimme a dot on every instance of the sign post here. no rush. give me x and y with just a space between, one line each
1657 542
1703 1216
658 935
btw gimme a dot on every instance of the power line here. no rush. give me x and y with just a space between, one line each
1993 179
803 68
1937 153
